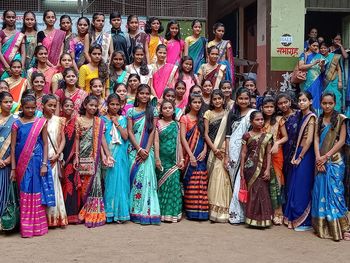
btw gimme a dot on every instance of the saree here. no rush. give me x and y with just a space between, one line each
163 78
213 75
331 78
67 41
219 186
189 81
329 211
48 78
36 191
346 150
237 129
17 86
313 82
196 50
258 210
30 43
71 183
138 40
153 42
174 49
85 76
53 42
115 79
169 187
56 215
144 203
93 212
116 178
195 178
77 97
77 47
5 172
10 49
300 181
104 40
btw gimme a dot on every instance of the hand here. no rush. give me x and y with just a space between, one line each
202 155
13 175
193 161
321 160
76 163
321 168
181 165
53 159
159 165
266 175
143 154
316 62
219 154
2 164
108 161
226 162
43 170
274 149
340 85
296 162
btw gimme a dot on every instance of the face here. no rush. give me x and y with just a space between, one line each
258 121
83 26
38 84
214 55
170 96
323 50
139 54
10 18
314 47
66 61
197 90
155 25
250 85
6 104
118 61
283 104
29 20
50 107
167 110
143 96
16 69
29 109
253 102
304 103
42 55
121 91
187 66
68 108
96 55
197 28
133 24
219 32
50 19
133 83
71 79
161 54
180 90
91 107
4 87
97 88
99 23
327 104
337 40
269 108
243 100
313 33
226 89
116 22
174 30
66 24
114 106
196 104
217 101
207 88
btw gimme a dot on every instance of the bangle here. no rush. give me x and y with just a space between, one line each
182 159
43 163
301 157
13 169
139 149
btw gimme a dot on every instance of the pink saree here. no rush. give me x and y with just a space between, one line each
53 42
163 78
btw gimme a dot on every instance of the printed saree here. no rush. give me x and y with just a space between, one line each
196 51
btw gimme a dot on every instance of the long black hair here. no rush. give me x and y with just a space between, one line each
200 114
334 116
217 92
181 71
112 71
5 94
62 83
270 99
149 108
102 66
144 70
24 27
92 30
82 110
308 95
168 33
148 27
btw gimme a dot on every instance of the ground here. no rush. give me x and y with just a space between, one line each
186 241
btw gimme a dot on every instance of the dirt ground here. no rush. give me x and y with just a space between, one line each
186 241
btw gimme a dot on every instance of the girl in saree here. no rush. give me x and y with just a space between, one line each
301 176
180 92
16 83
30 30
144 204
207 90
38 84
195 174
29 148
275 126
225 56
41 65
153 29
51 38
195 46
66 61
329 211
226 88
238 123
133 82
137 36
68 89
313 62
169 94
12 45
71 183
333 75
66 26
219 186
212 70
174 44
255 169
6 121
96 68
117 72
56 142
91 146
77 43
97 36
97 90
169 162
163 73
116 178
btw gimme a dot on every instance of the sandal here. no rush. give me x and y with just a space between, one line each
277 220
346 236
